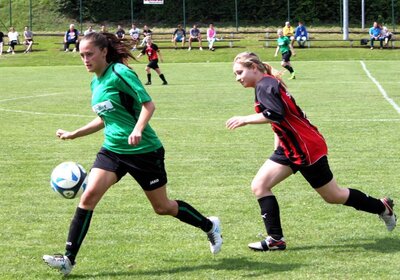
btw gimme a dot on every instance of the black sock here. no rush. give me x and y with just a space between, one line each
289 68
363 202
271 217
189 215
77 232
163 78
149 78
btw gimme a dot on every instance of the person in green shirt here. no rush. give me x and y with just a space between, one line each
286 48
123 109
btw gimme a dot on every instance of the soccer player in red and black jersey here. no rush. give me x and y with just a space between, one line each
299 146
153 53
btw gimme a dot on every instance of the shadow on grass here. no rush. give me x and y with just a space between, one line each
241 266
383 245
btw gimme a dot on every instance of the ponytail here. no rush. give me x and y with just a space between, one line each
117 50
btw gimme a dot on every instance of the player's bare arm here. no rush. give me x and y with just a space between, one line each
92 127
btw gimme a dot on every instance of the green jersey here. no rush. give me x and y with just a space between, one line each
283 43
117 97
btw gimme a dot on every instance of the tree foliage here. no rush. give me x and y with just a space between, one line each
266 12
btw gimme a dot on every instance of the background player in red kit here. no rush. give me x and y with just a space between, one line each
153 53
298 147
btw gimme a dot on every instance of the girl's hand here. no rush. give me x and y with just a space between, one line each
64 135
134 138
235 122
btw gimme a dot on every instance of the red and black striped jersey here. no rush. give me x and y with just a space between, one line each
301 141
151 51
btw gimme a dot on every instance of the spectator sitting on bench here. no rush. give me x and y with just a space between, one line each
195 36
71 37
28 39
1 42
179 36
375 35
301 35
89 30
211 37
288 31
146 34
120 32
134 32
386 35
13 40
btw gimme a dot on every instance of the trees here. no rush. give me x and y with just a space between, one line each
267 12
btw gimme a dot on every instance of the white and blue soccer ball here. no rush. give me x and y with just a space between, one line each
69 179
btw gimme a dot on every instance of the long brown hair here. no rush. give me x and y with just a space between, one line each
118 51
250 59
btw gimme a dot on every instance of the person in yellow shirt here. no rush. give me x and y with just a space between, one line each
288 31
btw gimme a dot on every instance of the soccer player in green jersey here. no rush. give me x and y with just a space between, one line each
286 48
123 109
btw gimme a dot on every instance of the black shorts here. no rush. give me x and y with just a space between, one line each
147 169
286 56
153 64
317 174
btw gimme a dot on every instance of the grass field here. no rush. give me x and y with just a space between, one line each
207 165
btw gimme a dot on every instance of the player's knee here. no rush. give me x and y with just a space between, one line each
162 209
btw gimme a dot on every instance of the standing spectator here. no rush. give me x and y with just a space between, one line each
298 146
211 37
28 39
146 34
386 35
71 37
195 36
301 34
123 109
120 32
1 42
13 40
287 50
288 31
179 35
153 54
134 32
89 30
375 35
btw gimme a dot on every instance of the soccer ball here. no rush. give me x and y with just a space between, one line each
69 179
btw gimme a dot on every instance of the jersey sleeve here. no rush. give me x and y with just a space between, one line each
129 83
269 101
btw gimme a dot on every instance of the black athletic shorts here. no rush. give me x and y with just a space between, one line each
286 56
317 174
147 169
153 64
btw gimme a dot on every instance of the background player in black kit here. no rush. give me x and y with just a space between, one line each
298 147
153 53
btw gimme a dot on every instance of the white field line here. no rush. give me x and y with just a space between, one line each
381 89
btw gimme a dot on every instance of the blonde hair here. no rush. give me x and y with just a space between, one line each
250 59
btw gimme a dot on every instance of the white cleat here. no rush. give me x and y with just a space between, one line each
59 262
388 216
215 236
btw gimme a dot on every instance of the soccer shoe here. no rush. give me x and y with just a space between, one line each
293 76
214 235
201 48
165 83
190 48
148 83
268 244
388 216
59 262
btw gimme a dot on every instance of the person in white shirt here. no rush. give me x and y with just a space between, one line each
13 39
134 32
89 30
